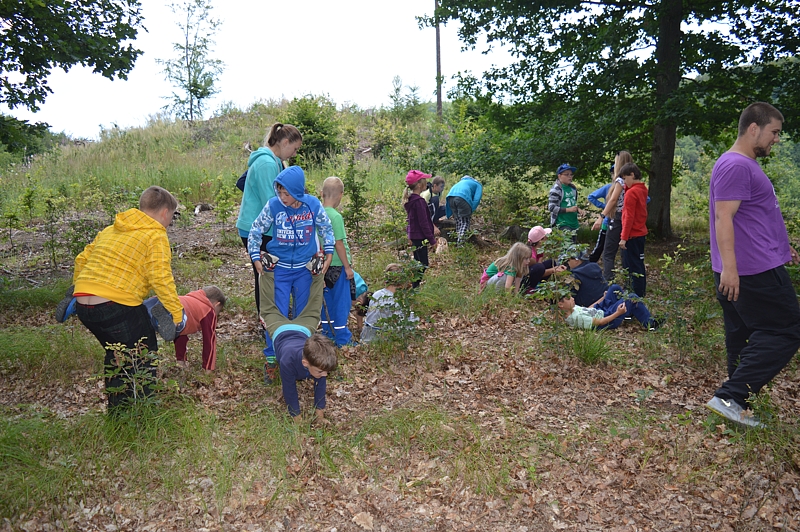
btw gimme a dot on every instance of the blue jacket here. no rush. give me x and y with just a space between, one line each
594 198
263 167
295 230
289 350
467 188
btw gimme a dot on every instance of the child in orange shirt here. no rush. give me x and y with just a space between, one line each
202 308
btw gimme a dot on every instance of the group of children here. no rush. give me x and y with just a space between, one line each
622 223
304 271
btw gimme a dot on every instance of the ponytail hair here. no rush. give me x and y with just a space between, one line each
278 132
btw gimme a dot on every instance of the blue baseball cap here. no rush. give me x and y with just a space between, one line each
564 167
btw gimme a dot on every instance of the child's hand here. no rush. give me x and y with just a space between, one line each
348 271
621 309
560 268
597 224
436 231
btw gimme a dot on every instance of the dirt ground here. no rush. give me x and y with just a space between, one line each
668 475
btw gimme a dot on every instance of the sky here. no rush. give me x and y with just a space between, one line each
348 50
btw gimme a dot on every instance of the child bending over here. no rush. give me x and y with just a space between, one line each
301 354
508 270
202 308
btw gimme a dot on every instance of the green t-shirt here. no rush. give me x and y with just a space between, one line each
492 270
338 234
569 199
583 317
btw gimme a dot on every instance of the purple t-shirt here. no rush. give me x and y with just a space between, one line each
760 239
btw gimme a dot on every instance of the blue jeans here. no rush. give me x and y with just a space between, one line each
611 303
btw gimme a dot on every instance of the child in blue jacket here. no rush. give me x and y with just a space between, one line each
462 200
293 254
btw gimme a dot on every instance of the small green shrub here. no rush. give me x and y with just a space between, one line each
590 346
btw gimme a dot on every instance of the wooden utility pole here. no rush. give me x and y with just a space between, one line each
438 63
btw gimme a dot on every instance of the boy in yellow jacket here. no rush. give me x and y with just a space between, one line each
115 273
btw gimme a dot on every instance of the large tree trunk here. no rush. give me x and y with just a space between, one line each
668 77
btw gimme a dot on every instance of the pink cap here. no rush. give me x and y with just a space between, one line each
415 175
537 233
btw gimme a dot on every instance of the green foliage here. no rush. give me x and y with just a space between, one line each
193 71
612 96
316 118
226 199
590 346
406 108
61 34
356 212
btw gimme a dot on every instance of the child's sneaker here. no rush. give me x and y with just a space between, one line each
270 372
166 327
316 263
66 308
268 261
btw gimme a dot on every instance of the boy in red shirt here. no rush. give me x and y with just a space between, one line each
634 230
201 307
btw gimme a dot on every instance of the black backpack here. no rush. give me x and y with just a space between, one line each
241 180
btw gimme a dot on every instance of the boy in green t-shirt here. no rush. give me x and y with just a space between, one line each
339 285
563 201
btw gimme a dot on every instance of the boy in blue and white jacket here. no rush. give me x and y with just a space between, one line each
293 253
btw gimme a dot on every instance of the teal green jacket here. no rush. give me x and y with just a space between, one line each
262 169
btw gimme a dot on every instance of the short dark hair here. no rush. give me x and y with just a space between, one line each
156 198
760 113
438 180
320 352
630 168
215 295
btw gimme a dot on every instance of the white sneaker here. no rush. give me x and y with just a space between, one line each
730 409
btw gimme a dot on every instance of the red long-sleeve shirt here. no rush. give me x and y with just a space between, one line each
634 211
200 317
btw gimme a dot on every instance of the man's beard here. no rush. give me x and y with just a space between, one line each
761 151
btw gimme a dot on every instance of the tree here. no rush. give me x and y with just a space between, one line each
37 36
632 72
193 71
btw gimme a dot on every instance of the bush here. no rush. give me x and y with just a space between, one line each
317 120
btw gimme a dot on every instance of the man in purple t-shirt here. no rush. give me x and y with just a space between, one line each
749 247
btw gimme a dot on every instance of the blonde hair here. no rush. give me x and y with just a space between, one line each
621 160
279 132
156 198
320 352
515 258
332 187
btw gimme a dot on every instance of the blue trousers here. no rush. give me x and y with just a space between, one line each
337 301
633 260
289 283
611 303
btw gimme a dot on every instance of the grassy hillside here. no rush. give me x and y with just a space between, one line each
493 415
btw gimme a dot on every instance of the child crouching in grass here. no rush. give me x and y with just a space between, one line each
508 270
384 314
607 312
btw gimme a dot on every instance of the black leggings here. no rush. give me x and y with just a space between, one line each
264 240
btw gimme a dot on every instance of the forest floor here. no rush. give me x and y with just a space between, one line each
488 423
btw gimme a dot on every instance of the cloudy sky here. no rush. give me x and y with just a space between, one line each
349 50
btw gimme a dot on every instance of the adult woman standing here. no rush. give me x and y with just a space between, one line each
263 166
613 211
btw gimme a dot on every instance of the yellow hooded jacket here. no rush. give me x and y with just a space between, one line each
128 259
